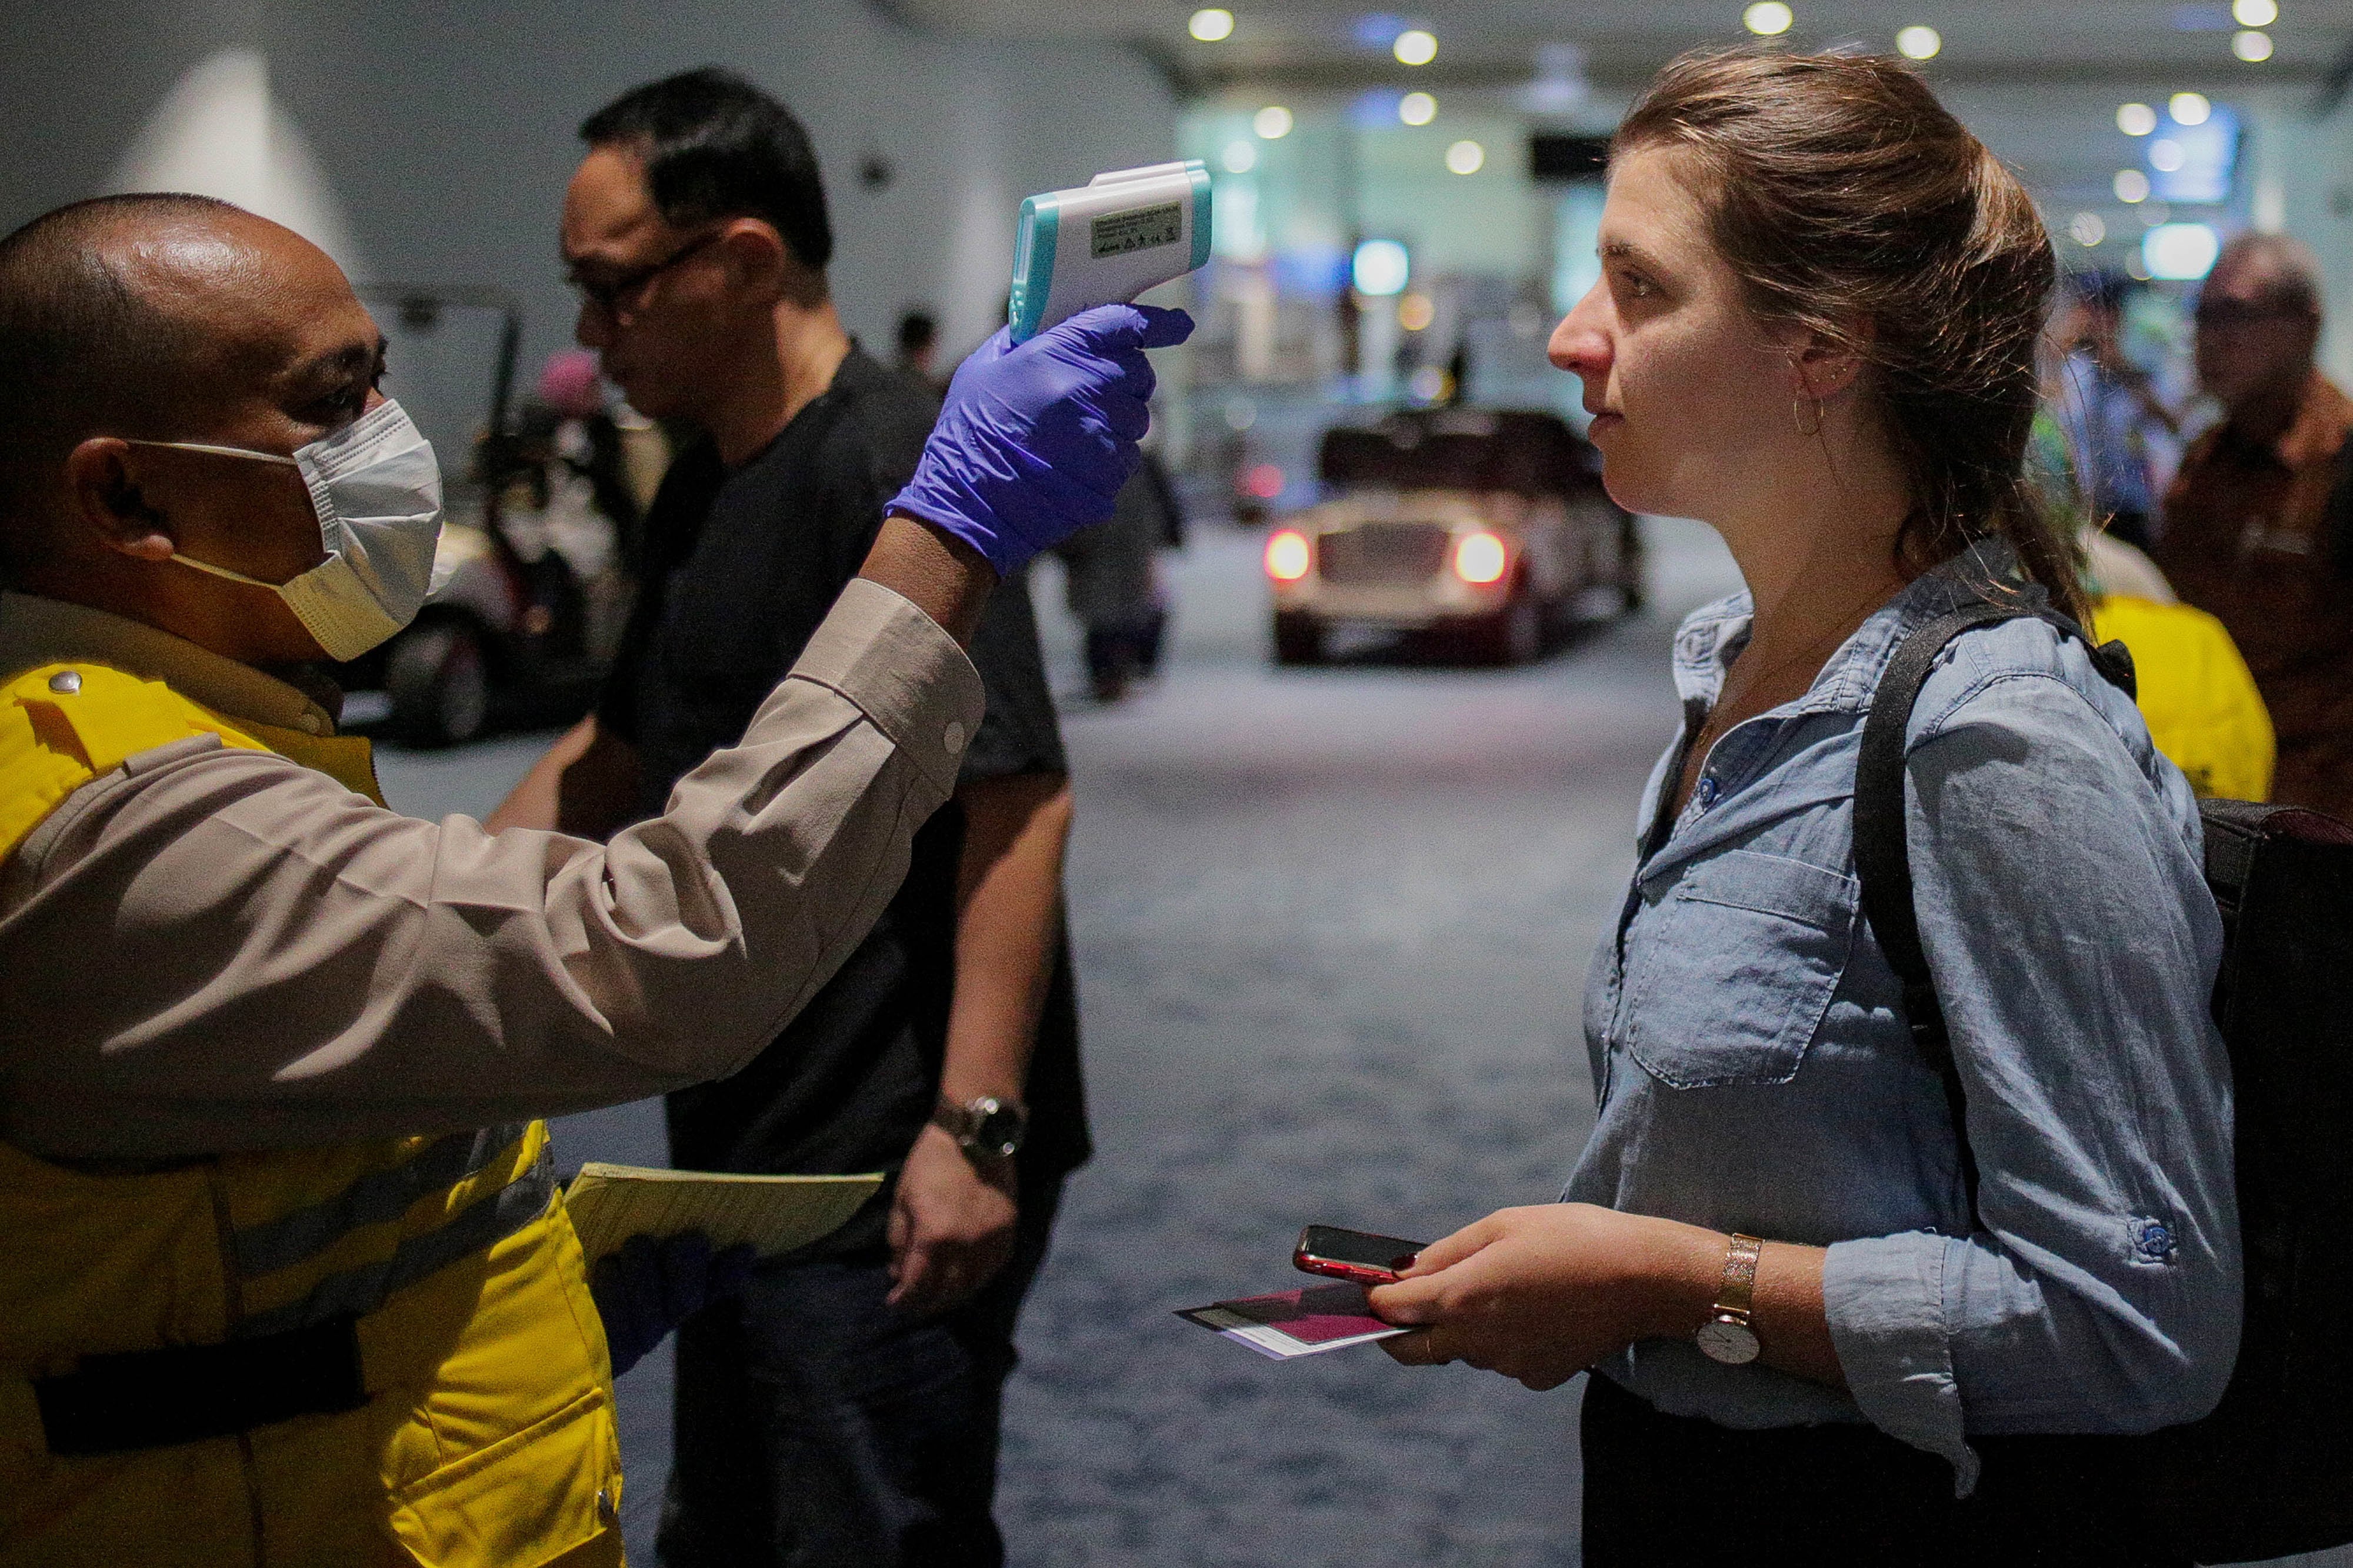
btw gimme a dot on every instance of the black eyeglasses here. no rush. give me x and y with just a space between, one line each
609 295
2221 314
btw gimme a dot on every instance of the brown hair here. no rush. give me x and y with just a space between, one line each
1852 205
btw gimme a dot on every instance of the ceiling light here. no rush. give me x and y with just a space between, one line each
1466 158
2131 186
2251 46
1417 109
1415 312
1211 25
2255 13
1415 47
1918 43
1273 122
2087 228
2166 156
2189 108
2181 252
1380 267
1768 18
1239 158
2136 119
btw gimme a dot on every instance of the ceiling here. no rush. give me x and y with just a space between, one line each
1306 43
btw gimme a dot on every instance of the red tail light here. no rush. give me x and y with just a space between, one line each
1481 558
1289 555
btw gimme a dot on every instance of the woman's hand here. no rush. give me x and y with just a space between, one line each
1541 1293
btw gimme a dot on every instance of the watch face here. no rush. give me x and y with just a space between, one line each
1729 1341
1000 1131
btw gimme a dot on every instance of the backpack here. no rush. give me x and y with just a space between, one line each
2270 1472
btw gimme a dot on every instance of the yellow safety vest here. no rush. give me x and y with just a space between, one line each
365 1353
2196 694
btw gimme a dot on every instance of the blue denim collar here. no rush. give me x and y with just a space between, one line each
1712 636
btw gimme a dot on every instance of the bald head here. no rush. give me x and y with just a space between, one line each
129 327
152 316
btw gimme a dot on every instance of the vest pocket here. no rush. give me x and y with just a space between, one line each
1728 976
531 1498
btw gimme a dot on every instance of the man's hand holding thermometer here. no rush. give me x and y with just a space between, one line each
1107 241
1041 426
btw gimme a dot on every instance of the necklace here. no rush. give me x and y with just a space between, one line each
1729 711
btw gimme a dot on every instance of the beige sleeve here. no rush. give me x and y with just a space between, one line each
211 949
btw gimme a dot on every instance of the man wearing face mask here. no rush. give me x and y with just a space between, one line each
285 1279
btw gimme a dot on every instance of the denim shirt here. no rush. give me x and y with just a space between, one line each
1755 1072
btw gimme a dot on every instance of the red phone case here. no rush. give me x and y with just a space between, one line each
1337 1268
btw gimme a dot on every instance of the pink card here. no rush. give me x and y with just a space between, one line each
1305 1321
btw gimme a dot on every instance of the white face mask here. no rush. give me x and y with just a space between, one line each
377 492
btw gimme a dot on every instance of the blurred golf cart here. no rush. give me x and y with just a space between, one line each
531 586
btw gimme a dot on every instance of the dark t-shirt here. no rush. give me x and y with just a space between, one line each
737 572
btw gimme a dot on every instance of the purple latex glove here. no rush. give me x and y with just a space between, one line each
648 1286
1034 442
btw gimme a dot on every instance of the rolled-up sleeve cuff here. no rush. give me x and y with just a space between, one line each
903 672
1885 1302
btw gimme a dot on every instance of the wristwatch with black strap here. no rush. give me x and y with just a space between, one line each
985 1129
1726 1336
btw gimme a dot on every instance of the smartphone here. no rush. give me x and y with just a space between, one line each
1356 1255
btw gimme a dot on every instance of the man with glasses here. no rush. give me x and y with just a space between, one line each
844 1408
2257 529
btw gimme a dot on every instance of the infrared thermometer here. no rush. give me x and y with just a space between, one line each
1107 241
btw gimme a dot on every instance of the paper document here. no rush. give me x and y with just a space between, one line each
1307 1322
610 1203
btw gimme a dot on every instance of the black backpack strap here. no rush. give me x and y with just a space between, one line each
1883 855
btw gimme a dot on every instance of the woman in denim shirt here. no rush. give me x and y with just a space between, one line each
1815 329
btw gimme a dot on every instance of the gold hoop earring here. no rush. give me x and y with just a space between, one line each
1803 430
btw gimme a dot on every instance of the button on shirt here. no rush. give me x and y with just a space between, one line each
1756 1074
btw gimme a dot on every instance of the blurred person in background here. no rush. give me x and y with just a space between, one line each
1112 587
2116 428
582 449
2258 530
842 1410
919 348
2190 684
1816 330
559 496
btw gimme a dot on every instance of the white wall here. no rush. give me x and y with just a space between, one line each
444 135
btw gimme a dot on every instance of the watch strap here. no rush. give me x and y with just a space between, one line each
1736 1295
967 1123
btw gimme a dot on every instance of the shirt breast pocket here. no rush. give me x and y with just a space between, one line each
1728 977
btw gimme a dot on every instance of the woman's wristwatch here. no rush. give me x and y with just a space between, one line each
1726 1336
985 1129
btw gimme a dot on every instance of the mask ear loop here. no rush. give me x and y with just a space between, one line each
216 451
186 560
